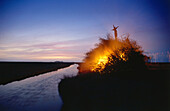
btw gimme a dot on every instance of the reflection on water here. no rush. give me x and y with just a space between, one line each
39 93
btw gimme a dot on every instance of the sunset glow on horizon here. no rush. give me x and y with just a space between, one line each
64 30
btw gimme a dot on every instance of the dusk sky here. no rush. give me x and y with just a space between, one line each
64 30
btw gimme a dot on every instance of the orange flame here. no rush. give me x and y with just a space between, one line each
97 58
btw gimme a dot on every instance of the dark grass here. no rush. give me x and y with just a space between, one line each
13 71
142 90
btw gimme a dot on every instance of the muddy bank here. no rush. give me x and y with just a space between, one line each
13 71
124 91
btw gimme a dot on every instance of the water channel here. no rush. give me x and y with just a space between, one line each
38 93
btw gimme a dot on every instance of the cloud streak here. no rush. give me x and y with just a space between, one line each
71 50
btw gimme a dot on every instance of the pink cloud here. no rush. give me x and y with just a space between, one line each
69 50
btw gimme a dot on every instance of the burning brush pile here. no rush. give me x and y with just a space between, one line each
112 55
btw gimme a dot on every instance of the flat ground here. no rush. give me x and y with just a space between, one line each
12 71
142 90
158 66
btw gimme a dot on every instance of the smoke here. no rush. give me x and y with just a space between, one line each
113 55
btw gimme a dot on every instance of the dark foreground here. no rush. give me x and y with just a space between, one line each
13 71
145 90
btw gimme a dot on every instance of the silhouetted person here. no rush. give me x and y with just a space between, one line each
115 31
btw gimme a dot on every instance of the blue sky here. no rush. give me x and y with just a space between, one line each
49 30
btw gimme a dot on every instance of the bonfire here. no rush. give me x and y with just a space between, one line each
112 55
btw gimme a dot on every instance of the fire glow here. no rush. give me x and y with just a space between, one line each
111 53
98 57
